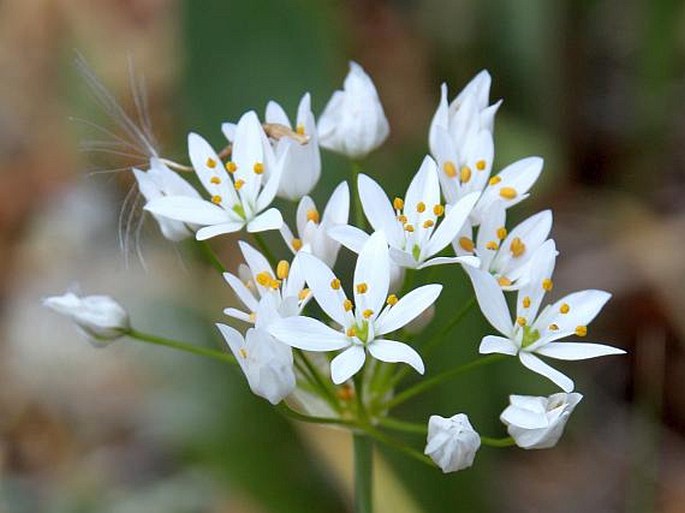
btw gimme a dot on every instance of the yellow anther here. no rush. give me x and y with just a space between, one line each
564 308
216 199
508 193
428 223
351 332
300 129
466 244
438 210
264 278
215 180
243 353
346 393
296 244
210 163
313 215
526 302
450 169
258 168
392 300
581 331
347 305
274 284
464 174
367 313
503 281
494 180
409 228
480 165
302 295
252 317
282 269
517 247
547 284
398 203
420 207
335 284
231 166
239 184
553 327
501 233
521 321
362 288
492 245
402 218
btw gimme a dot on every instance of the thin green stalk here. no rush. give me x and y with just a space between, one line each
211 256
497 442
438 379
182 346
265 249
289 412
396 444
359 395
358 209
401 425
363 473
323 385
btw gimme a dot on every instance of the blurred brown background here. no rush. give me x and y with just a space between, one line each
596 87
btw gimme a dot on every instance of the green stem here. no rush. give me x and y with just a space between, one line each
211 256
363 473
401 425
264 248
289 412
358 209
182 346
497 442
438 379
396 444
434 341
325 387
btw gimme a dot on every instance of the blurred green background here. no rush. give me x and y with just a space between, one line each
594 86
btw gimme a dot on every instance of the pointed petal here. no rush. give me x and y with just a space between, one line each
269 220
208 167
424 188
495 344
308 334
580 307
347 364
407 308
275 114
349 236
577 350
541 269
228 129
448 229
241 291
238 314
337 209
491 300
234 340
394 352
319 278
218 229
469 260
372 269
189 210
534 363
378 210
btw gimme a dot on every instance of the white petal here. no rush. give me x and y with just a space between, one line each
234 340
583 307
440 120
577 350
448 229
494 344
424 188
238 314
373 269
541 268
378 210
338 207
393 352
268 193
201 154
269 220
319 278
534 363
491 300
472 261
240 290
218 229
349 236
308 334
407 308
347 364
189 210
228 129
275 114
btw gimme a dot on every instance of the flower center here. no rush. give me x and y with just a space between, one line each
530 336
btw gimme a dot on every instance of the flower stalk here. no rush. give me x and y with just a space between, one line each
363 473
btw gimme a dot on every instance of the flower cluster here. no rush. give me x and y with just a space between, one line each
327 345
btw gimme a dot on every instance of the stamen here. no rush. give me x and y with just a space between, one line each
296 244
420 207
302 295
367 313
346 393
351 332
392 300
503 281
547 284
362 288
402 218
409 228
300 129
428 223
494 180
239 184
450 169
258 168
335 284
243 353
554 327
501 233
282 270
464 174
492 245
264 278
215 180
210 163
581 331
274 284
526 302
231 166
508 193
466 244
398 203
564 308
438 210
521 321
347 305
252 317
517 247
216 199
313 215
480 165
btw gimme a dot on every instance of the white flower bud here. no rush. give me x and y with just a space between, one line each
353 122
538 422
452 443
100 318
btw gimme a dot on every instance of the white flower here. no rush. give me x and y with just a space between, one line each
364 322
266 294
452 443
100 318
236 201
412 225
538 422
533 333
267 364
312 228
160 181
505 255
353 122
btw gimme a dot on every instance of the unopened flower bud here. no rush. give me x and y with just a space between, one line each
452 443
